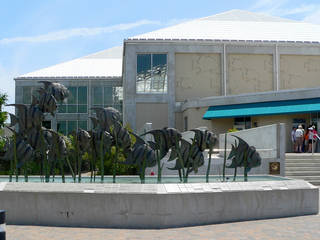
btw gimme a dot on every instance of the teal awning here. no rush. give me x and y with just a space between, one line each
263 108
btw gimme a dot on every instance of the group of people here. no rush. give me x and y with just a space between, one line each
304 140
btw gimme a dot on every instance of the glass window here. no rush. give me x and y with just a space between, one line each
83 125
97 95
26 95
108 96
77 101
72 126
72 98
241 123
62 127
151 73
62 108
82 95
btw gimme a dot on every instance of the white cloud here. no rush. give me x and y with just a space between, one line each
284 8
77 32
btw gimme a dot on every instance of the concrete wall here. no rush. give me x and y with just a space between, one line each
299 71
154 205
179 121
197 75
195 119
269 142
249 73
155 113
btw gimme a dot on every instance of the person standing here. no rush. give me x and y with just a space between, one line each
299 138
312 138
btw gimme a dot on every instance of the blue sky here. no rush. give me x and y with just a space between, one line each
39 33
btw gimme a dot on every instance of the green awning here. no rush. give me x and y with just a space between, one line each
263 108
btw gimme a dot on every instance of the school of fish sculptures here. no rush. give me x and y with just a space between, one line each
243 155
205 139
108 131
32 141
30 137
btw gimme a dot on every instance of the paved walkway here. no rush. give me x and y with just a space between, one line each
300 228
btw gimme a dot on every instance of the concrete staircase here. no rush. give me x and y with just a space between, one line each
303 166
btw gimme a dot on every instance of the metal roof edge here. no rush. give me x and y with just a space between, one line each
167 40
68 77
303 93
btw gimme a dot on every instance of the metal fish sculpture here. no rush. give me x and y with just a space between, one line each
140 152
243 155
83 140
47 102
58 147
24 151
107 117
204 139
59 91
192 157
34 138
97 137
122 136
28 117
164 139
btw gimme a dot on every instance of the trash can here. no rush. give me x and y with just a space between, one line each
2 225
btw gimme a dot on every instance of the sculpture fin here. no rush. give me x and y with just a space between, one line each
46 84
13 120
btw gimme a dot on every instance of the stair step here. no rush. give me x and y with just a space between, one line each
302 168
302 156
302 164
302 160
306 178
303 173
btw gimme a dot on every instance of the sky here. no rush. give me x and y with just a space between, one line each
35 34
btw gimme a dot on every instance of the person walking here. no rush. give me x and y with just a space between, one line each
299 138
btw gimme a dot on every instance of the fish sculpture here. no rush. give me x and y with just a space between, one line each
47 102
106 117
141 153
164 139
24 151
58 147
83 140
243 155
121 136
204 139
28 117
191 155
57 90
35 140
99 136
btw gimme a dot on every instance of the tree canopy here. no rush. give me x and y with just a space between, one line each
3 115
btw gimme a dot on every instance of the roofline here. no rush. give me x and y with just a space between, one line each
304 93
68 78
222 41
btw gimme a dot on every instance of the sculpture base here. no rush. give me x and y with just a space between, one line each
154 205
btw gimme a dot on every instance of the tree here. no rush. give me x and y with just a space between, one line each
3 115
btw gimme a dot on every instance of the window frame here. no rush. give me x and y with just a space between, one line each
77 105
166 89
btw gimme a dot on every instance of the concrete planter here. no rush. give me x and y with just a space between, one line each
154 205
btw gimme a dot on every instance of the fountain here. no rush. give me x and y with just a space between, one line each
101 203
